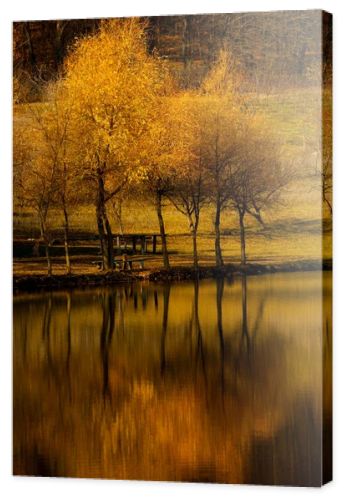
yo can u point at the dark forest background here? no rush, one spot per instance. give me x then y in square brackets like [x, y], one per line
[275, 50]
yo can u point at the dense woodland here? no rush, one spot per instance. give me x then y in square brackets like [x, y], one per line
[274, 49]
[160, 109]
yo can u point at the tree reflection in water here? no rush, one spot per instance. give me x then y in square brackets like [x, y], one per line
[106, 334]
[166, 299]
[202, 381]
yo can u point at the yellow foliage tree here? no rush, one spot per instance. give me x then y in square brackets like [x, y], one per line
[239, 151]
[113, 85]
[162, 152]
[35, 168]
[221, 107]
[190, 190]
[257, 174]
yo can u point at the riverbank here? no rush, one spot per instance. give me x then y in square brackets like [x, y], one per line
[180, 273]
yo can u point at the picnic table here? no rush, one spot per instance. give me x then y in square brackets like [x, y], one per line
[125, 263]
[144, 240]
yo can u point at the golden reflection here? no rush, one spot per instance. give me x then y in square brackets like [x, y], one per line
[204, 381]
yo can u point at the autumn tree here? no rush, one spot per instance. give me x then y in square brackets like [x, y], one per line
[221, 106]
[112, 85]
[157, 181]
[257, 174]
[35, 174]
[240, 153]
[54, 123]
[55, 126]
[190, 192]
[318, 149]
[162, 151]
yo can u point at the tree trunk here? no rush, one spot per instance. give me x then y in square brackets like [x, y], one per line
[162, 230]
[110, 255]
[104, 228]
[100, 225]
[32, 55]
[193, 224]
[66, 241]
[45, 238]
[327, 201]
[49, 262]
[195, 249]
[118, 212]
[218, 250]
[242, 237]
[58, 43]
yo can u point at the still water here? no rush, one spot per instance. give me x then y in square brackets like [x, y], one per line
[213, 381]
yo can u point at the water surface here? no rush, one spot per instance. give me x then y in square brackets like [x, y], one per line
[212, 381]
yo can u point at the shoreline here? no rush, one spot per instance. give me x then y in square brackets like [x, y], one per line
[175, 274]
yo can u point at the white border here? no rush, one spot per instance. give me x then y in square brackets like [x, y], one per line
[90, 489]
